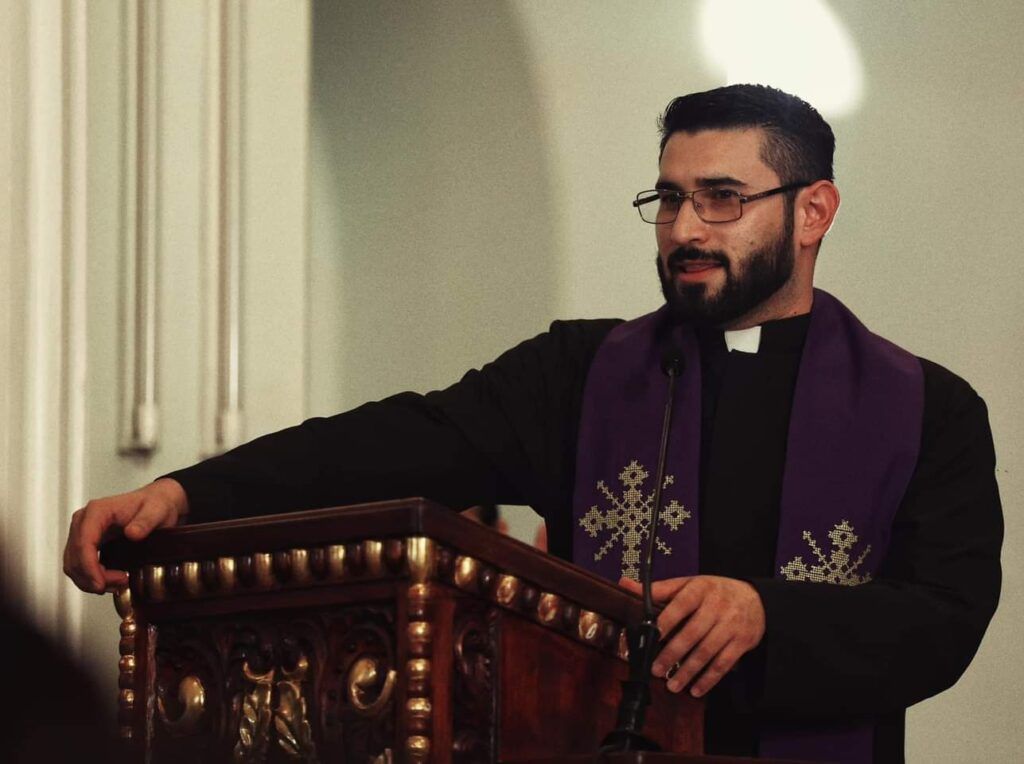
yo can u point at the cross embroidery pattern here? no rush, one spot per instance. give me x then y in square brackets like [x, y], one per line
[835, 569]
[628, 518]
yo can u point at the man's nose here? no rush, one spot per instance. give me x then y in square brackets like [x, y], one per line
[688, 227]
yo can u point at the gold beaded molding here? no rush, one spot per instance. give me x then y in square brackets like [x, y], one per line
[422, 561]
[546, 608]
[421, 558]
[126, 665]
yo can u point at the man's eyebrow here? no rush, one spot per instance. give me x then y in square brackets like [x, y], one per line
[719, 180]
[710, 182]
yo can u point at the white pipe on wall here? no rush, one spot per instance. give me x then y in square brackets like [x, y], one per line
[140, 410]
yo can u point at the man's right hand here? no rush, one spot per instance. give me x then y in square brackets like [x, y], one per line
[161, 504]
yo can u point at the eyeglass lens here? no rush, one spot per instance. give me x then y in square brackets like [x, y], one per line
[713, 205]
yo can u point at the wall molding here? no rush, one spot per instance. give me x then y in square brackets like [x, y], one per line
[221, 414]
[45, 323]
[140, 163]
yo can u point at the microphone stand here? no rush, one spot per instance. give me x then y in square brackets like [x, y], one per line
[643, 638]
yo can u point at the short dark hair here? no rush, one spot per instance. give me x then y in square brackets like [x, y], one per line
[798, 143]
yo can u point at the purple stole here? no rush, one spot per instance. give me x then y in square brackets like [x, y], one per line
[854, 436]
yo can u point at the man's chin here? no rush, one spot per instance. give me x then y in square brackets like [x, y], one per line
[692, 304]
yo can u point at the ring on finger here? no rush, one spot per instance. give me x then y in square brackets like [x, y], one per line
[673, 669]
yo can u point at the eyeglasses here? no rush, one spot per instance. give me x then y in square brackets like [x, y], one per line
[661, 206]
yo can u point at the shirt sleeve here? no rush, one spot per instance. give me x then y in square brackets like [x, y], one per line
[910, 633]
[502, 434]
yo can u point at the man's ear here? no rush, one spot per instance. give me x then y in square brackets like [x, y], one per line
[815, 210]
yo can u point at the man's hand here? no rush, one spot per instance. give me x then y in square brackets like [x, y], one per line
[718, 620]
[160, 504]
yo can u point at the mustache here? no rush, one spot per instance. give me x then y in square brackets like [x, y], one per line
[682, 254]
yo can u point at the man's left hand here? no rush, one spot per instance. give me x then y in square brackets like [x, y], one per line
[724, 619]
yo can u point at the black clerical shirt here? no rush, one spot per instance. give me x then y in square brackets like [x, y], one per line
[507, 434]
[745, 408]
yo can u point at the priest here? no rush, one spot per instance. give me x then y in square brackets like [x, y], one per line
[828, 549]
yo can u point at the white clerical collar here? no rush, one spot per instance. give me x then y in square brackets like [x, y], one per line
[743, 340]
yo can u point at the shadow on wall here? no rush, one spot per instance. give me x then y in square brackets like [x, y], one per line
[433, 207]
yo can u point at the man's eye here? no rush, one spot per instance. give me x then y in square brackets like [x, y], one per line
[722, 194]
[671, 198]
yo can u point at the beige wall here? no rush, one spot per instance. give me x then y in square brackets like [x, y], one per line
[510, 142]
[65, 153]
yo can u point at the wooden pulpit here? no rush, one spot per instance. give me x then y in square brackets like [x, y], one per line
[397, 631]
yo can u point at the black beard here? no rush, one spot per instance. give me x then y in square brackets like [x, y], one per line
[763, 274]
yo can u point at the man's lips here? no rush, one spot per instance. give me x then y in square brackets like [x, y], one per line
[694, 270]
[695, 266]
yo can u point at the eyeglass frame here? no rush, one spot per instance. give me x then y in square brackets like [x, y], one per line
[684, 195]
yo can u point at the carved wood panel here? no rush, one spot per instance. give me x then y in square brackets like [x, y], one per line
[279, 686]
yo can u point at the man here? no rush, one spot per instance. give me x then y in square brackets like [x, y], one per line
[829, 548]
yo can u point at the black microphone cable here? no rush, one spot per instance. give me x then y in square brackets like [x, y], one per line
[643, 638]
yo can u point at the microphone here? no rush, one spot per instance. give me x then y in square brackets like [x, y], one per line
[643, 638]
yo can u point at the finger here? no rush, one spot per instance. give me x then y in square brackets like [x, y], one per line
[722, 664]
[70, 566]
[149, 516]
[81, 564]
[95, 520]
[700, 656]
[114, 580]
[628, 583]
[683, 642]
[666, 589]
[687, 599]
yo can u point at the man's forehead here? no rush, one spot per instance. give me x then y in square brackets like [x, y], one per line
[714, 153]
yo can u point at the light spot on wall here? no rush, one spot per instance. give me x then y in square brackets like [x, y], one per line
[800, 46]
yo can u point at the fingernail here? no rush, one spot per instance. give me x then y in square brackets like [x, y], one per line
[696, 692]
[674, 686]
[658, 669]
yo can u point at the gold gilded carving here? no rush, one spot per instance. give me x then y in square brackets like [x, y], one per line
[417, 747]
[419, 638]
[373, 554]
[507, 590]
[420, 634]
[263, 569]
[294, 733]
[193, 700]
[623, 645]
[254, 727]
[336, 561]
[288, 720]
[386, 757]
[590, 625]
[126, 664]
[366, 692]
[548, 608]
[421, 555]
[466, 570]
[418, 668]
[419, 710]
[190, 578]
[300, 570]
[418, 671]
[153, 582]
[227, 573]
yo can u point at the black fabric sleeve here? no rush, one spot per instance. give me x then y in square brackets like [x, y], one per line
[909, 634]
[503, 434]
